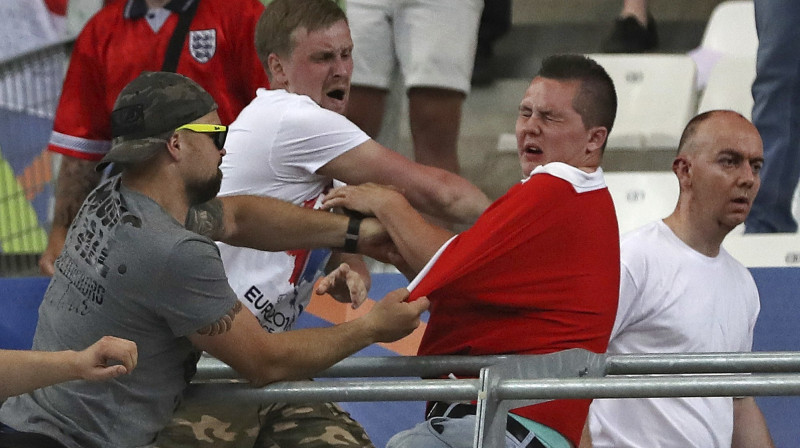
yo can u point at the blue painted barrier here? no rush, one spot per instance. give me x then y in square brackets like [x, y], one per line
[776, 330]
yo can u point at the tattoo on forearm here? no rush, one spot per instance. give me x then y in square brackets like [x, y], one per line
[76, 179]
[224, 324]
[206, 219]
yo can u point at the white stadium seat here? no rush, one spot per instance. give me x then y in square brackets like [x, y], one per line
[730, 32]
[641, 197]
[731, 29]
[729, 86]
[764, 250]
[656, 98]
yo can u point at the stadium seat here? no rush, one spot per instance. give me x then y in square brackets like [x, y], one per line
[641, 197]
[730, 32]
[764, 250]
[731, 29]
[656, 98]
[729, 86]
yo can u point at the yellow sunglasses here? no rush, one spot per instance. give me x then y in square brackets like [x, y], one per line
[217, 132]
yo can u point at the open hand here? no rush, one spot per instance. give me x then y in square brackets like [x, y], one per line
[345, 285]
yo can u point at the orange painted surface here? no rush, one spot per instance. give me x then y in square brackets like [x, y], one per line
[326, 307]
[36, 175]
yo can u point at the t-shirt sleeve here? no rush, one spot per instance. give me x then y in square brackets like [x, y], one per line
[310, 136]
[81, 127]
[755, 309]
[198, 289]
[635, 265]
[628, 300]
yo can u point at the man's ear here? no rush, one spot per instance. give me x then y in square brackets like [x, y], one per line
[174, 146]
[682, 166]
[597, 138]
[278, 78]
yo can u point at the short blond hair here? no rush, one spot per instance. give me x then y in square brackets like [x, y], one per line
[281, 18]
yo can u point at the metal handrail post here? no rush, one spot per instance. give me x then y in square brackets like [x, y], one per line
[492, 410]
[440, 366]
[659, 363]
[337, 390]
[760, 384]
[374, 366]
[508, 382]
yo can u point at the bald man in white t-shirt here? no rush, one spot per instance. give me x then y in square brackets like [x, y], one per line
[681, 292]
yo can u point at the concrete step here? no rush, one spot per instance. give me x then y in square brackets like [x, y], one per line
[586, 11]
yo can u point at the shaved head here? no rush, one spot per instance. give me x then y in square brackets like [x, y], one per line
[690, 138]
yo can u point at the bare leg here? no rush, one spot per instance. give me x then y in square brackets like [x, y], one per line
[435, 119]
[635, 8]
[366, 107]
[634, 30]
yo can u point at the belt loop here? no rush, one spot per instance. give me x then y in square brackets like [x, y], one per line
[441, 409]
[431, 410]
[450, 409]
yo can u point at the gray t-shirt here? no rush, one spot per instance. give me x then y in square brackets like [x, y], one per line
[130, 270]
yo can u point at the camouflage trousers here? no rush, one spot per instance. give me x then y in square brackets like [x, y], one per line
[275, 425]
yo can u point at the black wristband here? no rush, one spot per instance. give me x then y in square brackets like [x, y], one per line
[351, 238]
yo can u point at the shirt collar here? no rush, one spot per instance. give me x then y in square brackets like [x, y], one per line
[136, 9]
[581, 181]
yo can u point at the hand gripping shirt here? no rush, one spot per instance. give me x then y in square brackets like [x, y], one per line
[120, 42]
[537, 273]
[674, 299]
[130, 270]
[274, 148]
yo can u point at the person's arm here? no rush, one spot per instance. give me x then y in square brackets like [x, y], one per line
[76, 179]
[416, 239]
[82, 120]
[22, 371]
[586, 436]
[270, 224]
[432, 191]
[263, 357]
[749, 427]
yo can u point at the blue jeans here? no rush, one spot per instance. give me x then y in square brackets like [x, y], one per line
[11, 438]
[455, 433]
[776, 114]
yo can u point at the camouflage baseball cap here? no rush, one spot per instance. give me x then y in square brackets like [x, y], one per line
[149, 106]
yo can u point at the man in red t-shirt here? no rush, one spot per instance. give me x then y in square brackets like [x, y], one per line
[116, 45]
[539, 270]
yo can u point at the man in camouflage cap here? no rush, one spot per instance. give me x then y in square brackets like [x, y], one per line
[130, 269]
[170, 102]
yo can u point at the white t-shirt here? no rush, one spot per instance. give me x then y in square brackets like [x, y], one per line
[26, 25]
[675, 300]
[274, 148]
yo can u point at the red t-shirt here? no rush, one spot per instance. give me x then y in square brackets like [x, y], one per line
[537, 273]
[112, 50]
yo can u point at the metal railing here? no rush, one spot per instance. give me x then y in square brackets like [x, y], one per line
[31, 82]
[507, 382]
[30, 87]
